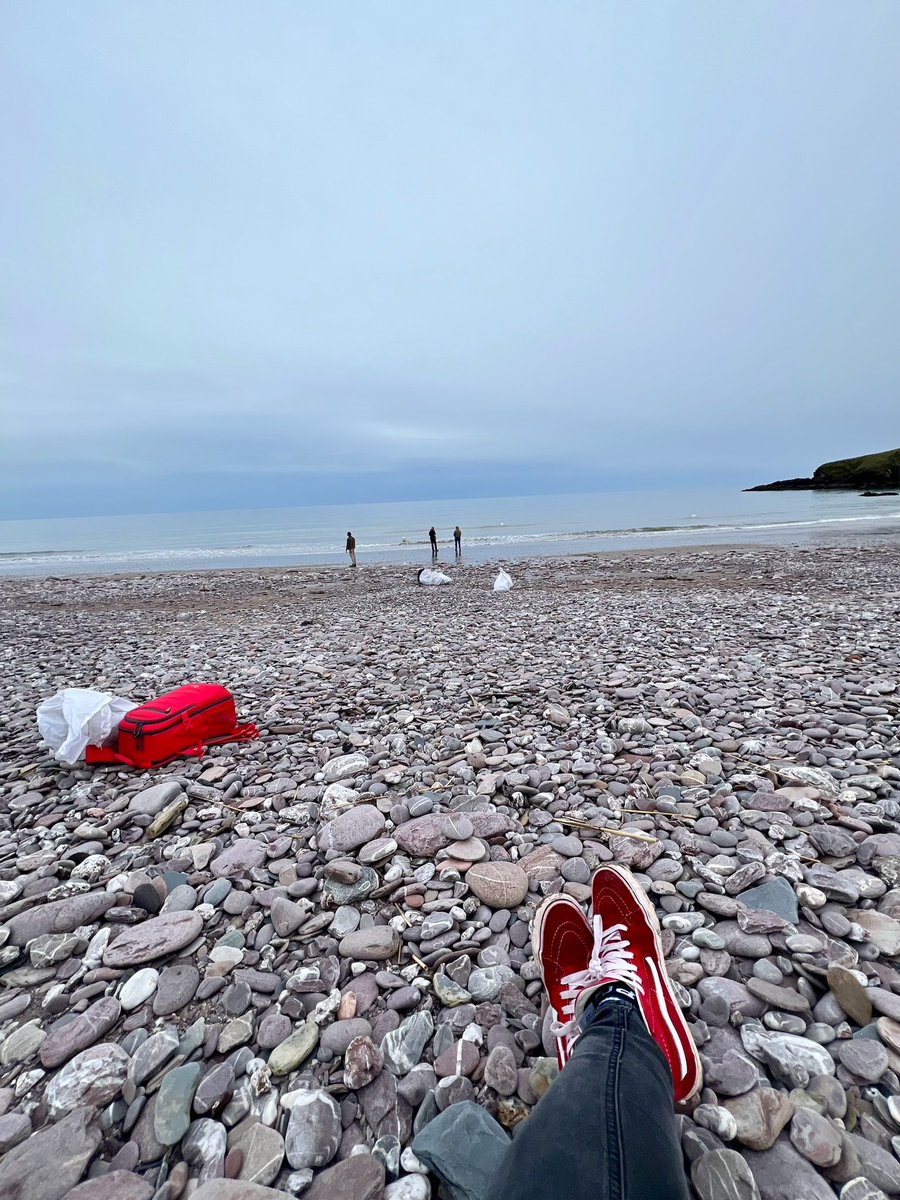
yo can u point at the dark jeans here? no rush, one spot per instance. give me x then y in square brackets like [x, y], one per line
[605, 1130]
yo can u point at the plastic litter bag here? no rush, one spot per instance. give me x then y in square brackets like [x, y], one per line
[503, 582]
[432, 578]
[77, 717]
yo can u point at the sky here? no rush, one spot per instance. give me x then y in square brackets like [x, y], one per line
[287, 253]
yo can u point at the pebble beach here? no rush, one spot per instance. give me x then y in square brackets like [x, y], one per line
[302, 965]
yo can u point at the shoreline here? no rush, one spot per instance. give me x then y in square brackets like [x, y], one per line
[876, 541]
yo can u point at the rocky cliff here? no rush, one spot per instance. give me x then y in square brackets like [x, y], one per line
[868, 471]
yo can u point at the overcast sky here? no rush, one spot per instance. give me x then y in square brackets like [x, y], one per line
[285, 252]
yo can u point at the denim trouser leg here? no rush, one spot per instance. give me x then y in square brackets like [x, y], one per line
[605, 1130]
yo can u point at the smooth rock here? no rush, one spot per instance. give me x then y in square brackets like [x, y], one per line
[153, 939]
[313, 1132]
[464, 1147]
[360, 1177]
[498, 884]
[94, 1077]
[377, 943]
[52, 1161]
[723, 1175]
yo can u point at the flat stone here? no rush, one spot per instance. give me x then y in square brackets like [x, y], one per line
[286, 916]
[153, 939]
[883, 931]
[377, 943]
[346, 766]
[94, 1077]
[464, 1147]
[176, 988]
[14, 1128]
[235, 1033]
[212, 1089]
[139, 988]
[236, 1189]
[500, 1071]
[402, 1048]
[64, 1041]
[116, 1185]
[864, 1058]
[723, 1175]
[542, 865]
[776, 895]
[363, 1062]
[59, 916]
[343, 894]
[498, 884]
[461, 1058]
[760, 1115]
[52, 1161]
[817, 1139]
[783, 1174]
[337, 1036]
[22, 1042]
[352, 829]
[239, 859]
[172, 1115]
[792, 1058]
[337, 799]
[294, 1050]
[263, 1151]
[784, 998]
[52, 948]
[423, 836]
[153, 1054]
[313, 1132]
[153, 800]
[850, 994]
[879, 1166]
[360, 1177]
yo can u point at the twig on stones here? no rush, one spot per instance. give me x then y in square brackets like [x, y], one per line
[638, 837]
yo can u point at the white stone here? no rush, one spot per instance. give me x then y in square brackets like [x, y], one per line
[408, 1187]
[139, 988]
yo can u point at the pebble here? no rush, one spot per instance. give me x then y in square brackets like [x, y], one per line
[498, 884]
[313, 1132]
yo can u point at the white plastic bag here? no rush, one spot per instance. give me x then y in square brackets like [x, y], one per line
[503, 582]
[77, 717]
[432, 578]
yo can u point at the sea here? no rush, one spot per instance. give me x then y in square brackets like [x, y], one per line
[496, 529]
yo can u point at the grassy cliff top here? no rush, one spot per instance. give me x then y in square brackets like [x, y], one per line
[869, 470]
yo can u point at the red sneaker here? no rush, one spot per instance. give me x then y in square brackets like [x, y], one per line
[627, 944]
[561, 942]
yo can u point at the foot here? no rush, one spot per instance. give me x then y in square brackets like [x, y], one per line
[626, 943]
[562, 942]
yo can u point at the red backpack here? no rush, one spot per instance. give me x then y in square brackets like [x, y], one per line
[180, 724]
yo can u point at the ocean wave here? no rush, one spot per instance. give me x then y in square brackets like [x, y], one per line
[328, 551]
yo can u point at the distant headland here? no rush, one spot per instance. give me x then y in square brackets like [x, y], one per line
[867, 472]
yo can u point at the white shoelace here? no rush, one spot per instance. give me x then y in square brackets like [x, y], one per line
[611, 961]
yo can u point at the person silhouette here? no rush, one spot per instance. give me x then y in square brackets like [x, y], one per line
[457, 541]
[432, 537]
[351, 548]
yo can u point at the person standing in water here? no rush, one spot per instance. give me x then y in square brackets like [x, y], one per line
[351, 548]
[432, 536]
[457, 541]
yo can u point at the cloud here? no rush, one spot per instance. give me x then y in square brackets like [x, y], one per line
[530, 247]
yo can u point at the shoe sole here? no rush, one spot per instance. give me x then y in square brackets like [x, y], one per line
[661, 978]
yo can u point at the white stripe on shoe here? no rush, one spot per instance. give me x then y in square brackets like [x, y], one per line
[682, 1059]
